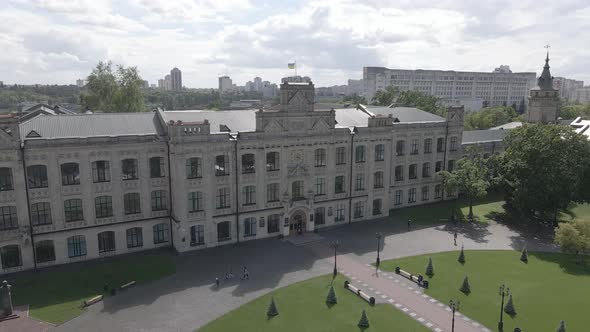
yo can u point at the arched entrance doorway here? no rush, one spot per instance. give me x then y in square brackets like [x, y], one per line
[297, 222]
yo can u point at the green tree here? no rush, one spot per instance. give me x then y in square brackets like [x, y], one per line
[509, 307]
[561, 327]
[524, 255]
[574, 237]
[386, 97]
[544, 168]
[490, 117]
[470, 177]
[391, 95]
[570, 112]
[461, 258]
[331, 298]
[429, 268]
[355, 99]
[272, 308]
[465, 286]
[364, 321]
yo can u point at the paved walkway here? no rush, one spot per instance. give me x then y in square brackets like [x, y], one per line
[24, 323]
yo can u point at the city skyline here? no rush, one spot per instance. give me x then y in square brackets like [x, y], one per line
[213, 39]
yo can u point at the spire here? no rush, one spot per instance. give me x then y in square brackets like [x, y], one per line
[545, 82]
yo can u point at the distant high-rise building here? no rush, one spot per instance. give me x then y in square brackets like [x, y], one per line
[176, 79]
[161, 84]
[567, 87]
[582, 95]
[79, 83]
[167, 83]
[504, 69]
[355, 87]
[1, 84]
[153, 86]
[146, 84]
[225, 84]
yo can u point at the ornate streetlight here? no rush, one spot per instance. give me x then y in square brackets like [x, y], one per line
[378, 236]
[454, 305]
[504, 291]
[335, 244]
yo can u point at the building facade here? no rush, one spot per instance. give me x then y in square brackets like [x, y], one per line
[78, 187]
[176, 79]
[225, 84]
[567, 88]
[583, 95]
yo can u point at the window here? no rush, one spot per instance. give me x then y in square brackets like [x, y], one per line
[398, 197]
[451, 165]
[222, 198]
[156, 167]
[161, 233]
[101, 171]
[319, 216]
[223, 231]
[438, 166]
[399, 173]
[76, 246]
[159, 200]
[400, 147]
[273, 223]
[378, 180]
[194, 168]
[453, 146]
[197, 235]
[37, 176]
[73, 210]
[134, 237]
[440, 144]
[379, 152]
[10, 256]
[6, 179]
[248, 163]
[320, 186]
[360, 182]
[358, 209]
[360, 154]
[426, 170]
[297, 190]
[414, 147]
[412, 195]
[272, 192]
[249, 226]
[340, 155]
[129, 169]
[131, 203]
[103, 206]
[428, 145]
[44, 251]
[195, 201]
[413, 171]
[272, 161]
[437, 191]
[339, 184]
[70, 174]
[320, 157]
[221, 165]
[249, 195]
[425, 193]
[40, 213]
[106, 241]
[377, 206]
[339, 213]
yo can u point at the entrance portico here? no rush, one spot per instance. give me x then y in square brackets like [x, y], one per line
[299, 222]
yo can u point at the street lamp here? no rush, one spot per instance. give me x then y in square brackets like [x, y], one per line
[504, 291]
[378, 236]
[335, 244]
[454, 305]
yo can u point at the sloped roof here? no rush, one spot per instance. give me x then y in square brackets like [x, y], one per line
[509, 125]
[236, 120]
[405, 114]
[351, 117]
[481, 136]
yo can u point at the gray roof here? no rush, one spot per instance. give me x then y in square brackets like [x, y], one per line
[236, 120]
[351, 117]
[405, 114]
[481, 136]
[91, 125]
[509, 125]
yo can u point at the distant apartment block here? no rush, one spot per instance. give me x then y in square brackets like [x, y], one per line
[175, 79]
[80, 83]
[582, 95]
[567, 87]
[225, 84]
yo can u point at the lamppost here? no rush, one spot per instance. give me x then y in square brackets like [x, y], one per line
[378, 236]
[504, 291]
[335, 244]
[454, 305]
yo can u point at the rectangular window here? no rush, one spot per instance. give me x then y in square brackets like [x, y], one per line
[70, 174]
[320, 186]
[194, 168]
[377, 207]
[438, 166]
[426, 170]
[413, 171]
[453, 146]
[320, 157]
[129, 169]
[425, 193]
[440, 144]
[399, 173]
[101, 171]
[428, 145]
[339, 184]
[360, 182]
[221, 165]
[398, 197]
[250, 226]
[274, 221]
[319, 216]
[359, 208]
[106, 241]
[223, 231]
[414, 146]
[40, 214]
[412, 195]
[134, 237]
[8, 218]
[378, 180]
[451, 165]
[340, 155]
[37, 176]
[103, 206]
[400, 147]
[76, 246]
[197, 235]
[360, 154]
[272, 161]
[437, 191]
[379, 152]
[131, 203]
[249, 195]
[161, 233]
[195, 201]
[159, 200]
[339, 213]
[156, 167]
[248, 163]
[6, 179]
[73, 210]
[222, 198]
[272, 192]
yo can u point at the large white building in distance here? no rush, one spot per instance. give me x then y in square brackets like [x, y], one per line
[84, 186]
[471, 89]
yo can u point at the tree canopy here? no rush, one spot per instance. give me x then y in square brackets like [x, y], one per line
[571, 112]
[574, 237]
[421, 100]
[489, 117]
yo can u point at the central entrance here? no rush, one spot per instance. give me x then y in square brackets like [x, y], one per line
[297, 223]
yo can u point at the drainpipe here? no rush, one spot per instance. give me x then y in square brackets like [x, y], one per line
[170, 213]
[24, 163]
[237, 191]
[444, 166]
[352, 133]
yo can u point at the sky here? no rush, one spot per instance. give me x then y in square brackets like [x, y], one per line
[59, 41]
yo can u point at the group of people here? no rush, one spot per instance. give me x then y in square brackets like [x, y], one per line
[229, 275]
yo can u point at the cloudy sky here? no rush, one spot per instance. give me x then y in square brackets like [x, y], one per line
[58, 41]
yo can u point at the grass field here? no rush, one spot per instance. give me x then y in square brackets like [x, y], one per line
[302, 308]
[56, 296]
[550, 288]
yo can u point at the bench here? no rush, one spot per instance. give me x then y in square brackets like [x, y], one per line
[93, 300]
[129, 284]
[419, 280]
[359, 293]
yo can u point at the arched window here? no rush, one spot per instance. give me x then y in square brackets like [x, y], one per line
[106, 241]
[40, 213]
[221, 165]
[320, 157]
[377, 206]
[134, 237]
[223, 231]
[379, 152]
[76, 246]
[6, 179]
[378, 180]
[101, 171]
[73, 210]
[37, 176]
[273, 223]
[194, 168]
[131, 203]
[197, 235]
[129, 169]
[103, 206]
[297, 190]
[159, 200]
[44, 251]
[8, 218]
[359, 154]
[248, 163]
[272, 161]
[10, 256]
[156, 167]
[161, 233]
[195, 201]
[70, 174]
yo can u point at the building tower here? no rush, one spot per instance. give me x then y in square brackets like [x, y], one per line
[543, 99]
[176, 79]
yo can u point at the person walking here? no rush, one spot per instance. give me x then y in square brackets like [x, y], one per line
[245, 273]
[409, 225]
[455, 237]
[217, 282]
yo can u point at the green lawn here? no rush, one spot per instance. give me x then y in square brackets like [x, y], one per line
[302, 307]
[551, 287]
[56, 296]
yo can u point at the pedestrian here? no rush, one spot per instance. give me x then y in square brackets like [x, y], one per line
[409, 224]
[217, 282]
[229, 274]
[245, 273]
[455, 237]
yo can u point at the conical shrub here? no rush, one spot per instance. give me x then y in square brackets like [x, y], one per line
[524, 256]
[561, 327]
[509, 307]
[364, 322]
[429, 268]
[331, 298]
[272, 308]
[461, 258]
[465, 287]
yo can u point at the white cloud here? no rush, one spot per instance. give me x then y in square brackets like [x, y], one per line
[191, 10]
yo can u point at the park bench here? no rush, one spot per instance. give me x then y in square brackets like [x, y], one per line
[359, 293]
[93, 300]
[129, 284]
[419, 280]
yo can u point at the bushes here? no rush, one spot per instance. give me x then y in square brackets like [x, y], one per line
[461, 258]
[509, 307]
[331, 298]
[429, 268]
[524, 256]
[465, 287]
[272, 308]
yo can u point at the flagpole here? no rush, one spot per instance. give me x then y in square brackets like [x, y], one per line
[295, 67]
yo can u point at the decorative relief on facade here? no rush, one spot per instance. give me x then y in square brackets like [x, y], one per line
[130, 184]
[7, 196]
[71, 190]
[38, 193]
[129, 217]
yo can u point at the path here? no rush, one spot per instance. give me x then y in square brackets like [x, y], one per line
[23, 323]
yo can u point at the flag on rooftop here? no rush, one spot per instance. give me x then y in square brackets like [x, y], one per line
[291, 65]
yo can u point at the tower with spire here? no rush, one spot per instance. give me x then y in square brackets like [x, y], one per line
[543, 99]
